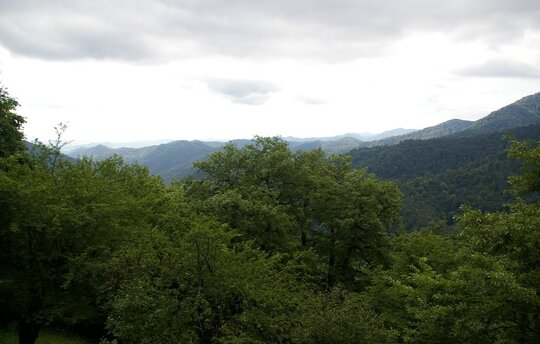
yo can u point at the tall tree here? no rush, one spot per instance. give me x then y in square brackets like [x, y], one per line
[287, 201]
[11, 135]
[66, 220]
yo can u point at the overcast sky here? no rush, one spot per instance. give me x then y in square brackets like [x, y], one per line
[131, 70]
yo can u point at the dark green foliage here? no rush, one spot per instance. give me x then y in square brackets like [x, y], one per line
[524, 112]
[529, 180]
[285, 201]
[196, 285]
[62, 222]
[437, 176]
[11, 135]
[478, 285]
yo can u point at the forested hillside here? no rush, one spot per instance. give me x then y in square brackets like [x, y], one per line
[267, 246]
[438, 176]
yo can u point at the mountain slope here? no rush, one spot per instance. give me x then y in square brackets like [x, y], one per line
[437, 176]
[440, 130]
[170, 160]
[525, 111]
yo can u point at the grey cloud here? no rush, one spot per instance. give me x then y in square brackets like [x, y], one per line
[311, 100]
[314, 29]
[247, 92]
[501, 69]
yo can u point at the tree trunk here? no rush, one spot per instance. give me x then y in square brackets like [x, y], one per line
[28, 331]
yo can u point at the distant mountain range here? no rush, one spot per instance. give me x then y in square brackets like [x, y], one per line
[174, 159]
[470, 166]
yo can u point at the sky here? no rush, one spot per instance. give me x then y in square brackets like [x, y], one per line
[143, 70]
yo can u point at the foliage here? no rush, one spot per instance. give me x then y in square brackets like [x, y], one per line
[11, 135]
[286, 201]
[196, 285]
[271, 245]
[437, 176]
[62, 223]
[338, 316]
[479, 285]
[529, 180]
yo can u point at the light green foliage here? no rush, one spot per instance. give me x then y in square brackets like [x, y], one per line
[439, 290]
[338, 316]
[196, 285]
[529, 180]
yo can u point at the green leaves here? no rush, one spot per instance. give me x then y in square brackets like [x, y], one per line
[11, 136]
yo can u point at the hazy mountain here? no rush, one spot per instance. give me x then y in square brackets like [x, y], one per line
[440, 130]
[390, 133]
[175, 159]
[133, 144]
[364, 137]
[170, 160]
[525, 111]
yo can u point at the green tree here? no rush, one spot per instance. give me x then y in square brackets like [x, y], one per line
[287, 201]
[352, 217]
[195, 284]
[478, 285]
[529, 180]
[11, 135]
[338, 316]
[250, 189]
[65, 220]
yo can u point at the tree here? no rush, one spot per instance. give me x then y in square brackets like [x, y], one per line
[65, 221]
[287, 201]
[478, 285]
[195, 283]
[529, 180]
[352, 217]
[251, 189]
[11, 135]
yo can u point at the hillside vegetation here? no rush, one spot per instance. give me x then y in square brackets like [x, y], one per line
[267, 245]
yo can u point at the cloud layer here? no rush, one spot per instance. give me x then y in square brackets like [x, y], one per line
[501, 69]
[149, 30]
[247, 92]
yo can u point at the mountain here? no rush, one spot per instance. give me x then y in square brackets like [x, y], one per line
[525, 111]
[437, 176]
[70, 147]
[389, 133]
[174, 159]
[338, 146]
[169, 160]
[364, 137]
[440, 130]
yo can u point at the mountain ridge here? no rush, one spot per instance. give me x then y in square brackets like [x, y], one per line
[174, 159]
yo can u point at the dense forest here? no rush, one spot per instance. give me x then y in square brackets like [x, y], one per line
[266, 246]
[438, 176]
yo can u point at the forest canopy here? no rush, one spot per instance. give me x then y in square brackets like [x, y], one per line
[266, 245]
